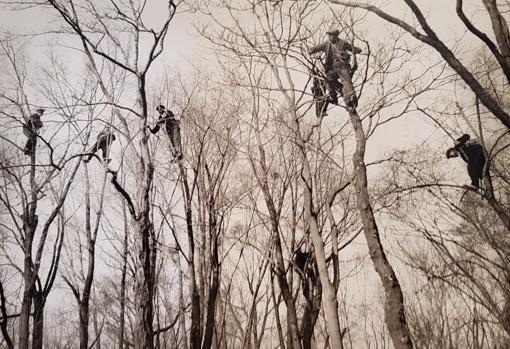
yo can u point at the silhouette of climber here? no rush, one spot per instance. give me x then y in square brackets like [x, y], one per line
[471, 152]
[172, 129]
[104, 141]
[31, 130]
[305, 263]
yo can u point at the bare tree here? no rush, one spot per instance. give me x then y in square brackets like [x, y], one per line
[429, 37]
[40, 182]
[83, 294]
[98, 32]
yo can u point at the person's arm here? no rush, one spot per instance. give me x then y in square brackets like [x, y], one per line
[461, 141]
[160, 121]
[463, 152]
[155, 129]
[351, 48]
[318, 48]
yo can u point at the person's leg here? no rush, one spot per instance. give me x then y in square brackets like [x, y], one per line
[475, 174]
[347, 87]
[332, 86]
[105, 147]
[176, 141]
[30, 146]
[475, 168]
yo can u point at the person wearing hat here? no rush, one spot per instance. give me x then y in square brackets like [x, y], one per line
[31, 130]
[173, 129]
[471, 152]
[336, 61]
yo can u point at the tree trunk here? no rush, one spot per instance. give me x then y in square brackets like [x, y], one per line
[500, 210]
[97, 330]
[84, 302]
[505, 315]
[211, 308]
[195, 333]
[292, 320]
[328, 289]
[29, 284]
[26, 307]
[215, 270]
[394, 305]
[278, 262]
[5, 319]
[144, 286]
[38, 324]
[500, 28]
[123, 280]
[84, 324]
[276, 305]
[313, 295]
[182, 306]
[143, 336]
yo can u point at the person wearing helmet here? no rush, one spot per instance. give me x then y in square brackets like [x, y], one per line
[31, 130]
[471, 152]
[104, 141]
[337, 59]
[173, 129]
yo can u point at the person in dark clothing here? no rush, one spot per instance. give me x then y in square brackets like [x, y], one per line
[172, 129]
[305, 264]
[104, 141]
[300, 259]
[31, 130]
[471, 152]
[336, 63]
[319, 94]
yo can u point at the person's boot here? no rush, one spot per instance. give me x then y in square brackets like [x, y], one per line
[333, 99]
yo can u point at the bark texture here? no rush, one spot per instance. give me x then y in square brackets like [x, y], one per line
[394, 304]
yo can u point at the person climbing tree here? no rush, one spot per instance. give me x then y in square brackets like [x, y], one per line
[104, 141]
[31, 130]
[336, 64]
[471, 152]
[305, 264]
[172, 129]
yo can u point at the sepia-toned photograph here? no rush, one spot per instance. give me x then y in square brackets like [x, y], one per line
[255, 174]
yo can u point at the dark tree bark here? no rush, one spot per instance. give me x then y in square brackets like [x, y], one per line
[38, 325]
[5, 319]
[123, 280]
[195, 332]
